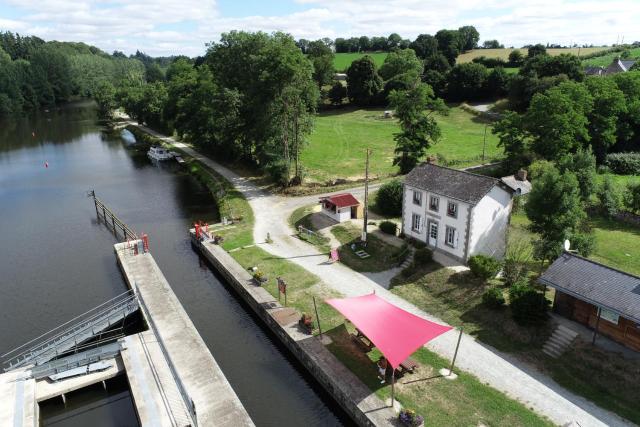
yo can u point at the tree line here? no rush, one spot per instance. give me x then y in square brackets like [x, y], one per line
[36, 74]
[250, 98]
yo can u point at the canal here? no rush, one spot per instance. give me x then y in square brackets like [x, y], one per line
[56, 260]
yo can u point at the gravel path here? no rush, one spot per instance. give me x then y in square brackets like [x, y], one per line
[502, 371]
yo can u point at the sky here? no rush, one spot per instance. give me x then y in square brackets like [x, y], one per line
[171, 27]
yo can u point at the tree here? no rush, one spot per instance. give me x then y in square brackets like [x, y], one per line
[425, 45]
[393, 41]
[467, 81]
[337, 93]
[610, 197]
[516, 58]
[513, 139]
[492, 44]
[544, 65]
[437, 62]
[583, 165]
[321, 56]
[555, 210]
[535, 50]
[399, 62]
[363, 82]
[609, 104]
[557, 120]
[105, 97]
[449, 44]
[419, 130]
[389, 198]
[364, 44]
[153, 73]
[497, 83]
[469, 37]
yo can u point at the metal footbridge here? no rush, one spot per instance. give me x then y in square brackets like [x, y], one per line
[79, 339]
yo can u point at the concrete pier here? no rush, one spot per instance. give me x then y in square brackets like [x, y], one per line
[356, 399]
[187, 359]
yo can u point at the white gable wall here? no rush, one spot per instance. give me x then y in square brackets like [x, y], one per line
[489, 224]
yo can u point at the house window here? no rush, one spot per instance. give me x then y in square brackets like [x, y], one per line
[451, 237]
[452, 209]
[417, 198]
[434, 203]
[609, 316]
[415, 222]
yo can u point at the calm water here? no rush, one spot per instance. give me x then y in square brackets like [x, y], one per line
[56, 261]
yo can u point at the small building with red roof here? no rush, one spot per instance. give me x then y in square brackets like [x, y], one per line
[340, 207]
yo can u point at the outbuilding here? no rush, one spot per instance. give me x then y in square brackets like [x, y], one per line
[340, 207]
[602, 298]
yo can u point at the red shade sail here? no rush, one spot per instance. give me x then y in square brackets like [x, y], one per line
[396, 332]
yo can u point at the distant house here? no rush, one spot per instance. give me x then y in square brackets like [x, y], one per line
[619, 66]
[456, 212]
[518, 183]
[594, 71]
[600, 297]
[340, 207]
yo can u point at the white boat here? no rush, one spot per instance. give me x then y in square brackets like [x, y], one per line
[159, 153]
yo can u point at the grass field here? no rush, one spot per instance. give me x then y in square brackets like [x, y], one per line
[504, 53]
[342, 61]
[343, 135]
[617, 243]
[603, 61]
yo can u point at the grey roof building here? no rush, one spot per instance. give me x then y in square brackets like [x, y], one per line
[619, 66]
[457, 184]
[595, 283]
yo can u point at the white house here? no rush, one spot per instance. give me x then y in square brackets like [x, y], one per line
[340, 207]
[456, 212]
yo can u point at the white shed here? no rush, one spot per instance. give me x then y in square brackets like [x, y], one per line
[340, 207]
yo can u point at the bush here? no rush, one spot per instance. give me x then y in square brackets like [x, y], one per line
[528, 306]
[278, 172]
[513, 271]
[484, 266]
[389, 198]
[422, 256]
[388, 227]
[632, 197]
[610, 197]
[623, 163]
[493, 297]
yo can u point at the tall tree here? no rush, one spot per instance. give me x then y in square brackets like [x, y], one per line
[399, 62]
[449, 44]
[425, 45]
[557, 120]
[321, 56]
[467, 81]
[555, 210]
[363, 82]
[609, 104]
[469, 37]
[419, 130]
[582, 164]
[513, 139]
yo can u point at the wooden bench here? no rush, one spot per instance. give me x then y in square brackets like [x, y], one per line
[362, 341]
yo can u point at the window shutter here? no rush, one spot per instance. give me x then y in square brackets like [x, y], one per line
[455, 239]
[421, 224]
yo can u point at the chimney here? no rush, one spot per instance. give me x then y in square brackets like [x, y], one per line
[521, 175]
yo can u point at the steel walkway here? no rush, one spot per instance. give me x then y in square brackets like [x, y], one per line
[68, 336]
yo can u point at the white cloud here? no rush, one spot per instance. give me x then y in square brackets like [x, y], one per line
[161, 27]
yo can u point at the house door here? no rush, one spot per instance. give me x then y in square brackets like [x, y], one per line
[433, 233]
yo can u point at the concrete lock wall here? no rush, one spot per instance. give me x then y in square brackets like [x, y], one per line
[354, 397]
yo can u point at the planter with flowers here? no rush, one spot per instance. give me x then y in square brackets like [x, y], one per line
[259, 277]
[408, 417]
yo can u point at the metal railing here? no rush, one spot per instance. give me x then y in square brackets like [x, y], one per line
[188, 402]
[109, 217]
[65, 337]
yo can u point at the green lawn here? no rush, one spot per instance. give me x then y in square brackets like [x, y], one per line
[302, 217]
[343, 135]
[342, 61]
[383, 256]
[603, 61]
[617, 243]
[504, 53]
[462, 402]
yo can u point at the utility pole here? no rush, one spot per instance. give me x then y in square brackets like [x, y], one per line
[366, 199]
[484, 144]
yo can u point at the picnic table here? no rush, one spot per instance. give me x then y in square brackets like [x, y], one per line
[409, 365]
[362, 341]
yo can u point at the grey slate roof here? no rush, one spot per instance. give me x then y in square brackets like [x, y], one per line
[456, 184]
[520, 187]
[627, 64]
[595, 283]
